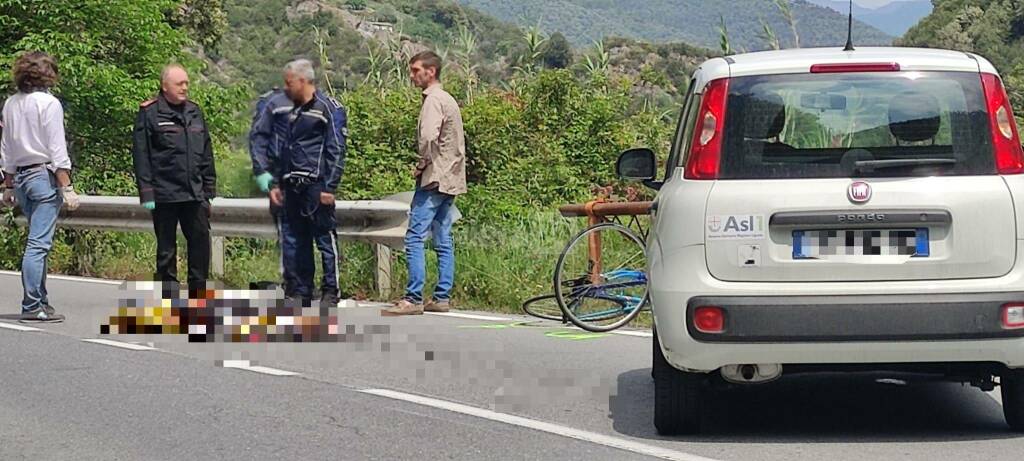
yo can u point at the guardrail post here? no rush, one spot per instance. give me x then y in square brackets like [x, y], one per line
[383, 273]
[217, 256]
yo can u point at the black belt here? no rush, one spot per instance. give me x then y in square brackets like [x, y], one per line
[299, 179]
[31, 167]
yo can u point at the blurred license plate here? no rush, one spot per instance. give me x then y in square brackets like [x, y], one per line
[820, 244]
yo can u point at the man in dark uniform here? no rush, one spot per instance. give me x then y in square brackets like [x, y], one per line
[311, 162]
[174, 170]
[268, 132]
[266, 135]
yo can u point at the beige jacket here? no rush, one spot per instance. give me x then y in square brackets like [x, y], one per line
[441, 143]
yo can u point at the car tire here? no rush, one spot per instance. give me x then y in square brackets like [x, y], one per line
[657, 362]
[1012, 383]
[677, 396]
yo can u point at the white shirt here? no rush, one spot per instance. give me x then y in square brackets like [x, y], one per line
[33, 132]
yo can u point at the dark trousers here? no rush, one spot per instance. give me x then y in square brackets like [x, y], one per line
[195, 225]
[305, 222]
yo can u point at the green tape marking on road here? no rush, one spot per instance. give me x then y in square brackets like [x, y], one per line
[574, 335]
[496, 326]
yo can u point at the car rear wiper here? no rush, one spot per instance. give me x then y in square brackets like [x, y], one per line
[897, 163]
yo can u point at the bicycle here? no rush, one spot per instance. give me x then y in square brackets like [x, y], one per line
[586, 294]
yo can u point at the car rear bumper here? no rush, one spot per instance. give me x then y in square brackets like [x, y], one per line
[928, 322]
[923, 317]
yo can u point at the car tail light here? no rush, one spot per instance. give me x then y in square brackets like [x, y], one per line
[855, 67]
[709, 319]
[706, 146]
[1005, 138]
[1013, 316]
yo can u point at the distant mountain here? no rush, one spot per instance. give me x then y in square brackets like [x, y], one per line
[894, 19]
[692, 21]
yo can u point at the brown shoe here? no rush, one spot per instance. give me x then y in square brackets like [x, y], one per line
[437, 306]
[402, 307]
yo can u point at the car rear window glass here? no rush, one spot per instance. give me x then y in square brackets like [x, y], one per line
[885, 124]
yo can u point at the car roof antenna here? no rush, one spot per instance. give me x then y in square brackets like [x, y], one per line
[849, 30]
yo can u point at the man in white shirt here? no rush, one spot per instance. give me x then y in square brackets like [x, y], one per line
[37, 172]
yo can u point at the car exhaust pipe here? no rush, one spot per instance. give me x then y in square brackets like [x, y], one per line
[752, 373]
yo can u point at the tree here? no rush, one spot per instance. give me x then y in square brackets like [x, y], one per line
[535, 42]
[723, 37]
[597, 66]
[557, 52]
[204, 20]
[356, 5]
[768, 35]
[787, 12]
[109, 53]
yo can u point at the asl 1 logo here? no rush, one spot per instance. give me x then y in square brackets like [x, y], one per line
[736, 227]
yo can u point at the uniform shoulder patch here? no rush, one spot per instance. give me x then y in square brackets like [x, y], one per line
[147, 102]
[334, 103]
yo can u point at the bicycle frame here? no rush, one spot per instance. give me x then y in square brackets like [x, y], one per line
[621, 278]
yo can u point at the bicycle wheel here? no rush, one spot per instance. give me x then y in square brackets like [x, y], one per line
[545, 307]
[600, 281]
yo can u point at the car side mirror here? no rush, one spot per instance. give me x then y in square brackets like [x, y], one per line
[638, 165]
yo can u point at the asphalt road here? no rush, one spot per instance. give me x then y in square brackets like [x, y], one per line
[473, 386]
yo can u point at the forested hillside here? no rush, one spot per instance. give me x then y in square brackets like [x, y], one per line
[893, 19]
[692, 21]
[264, 34]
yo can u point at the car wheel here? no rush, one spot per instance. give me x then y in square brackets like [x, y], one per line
[677, 396]
[1012, 383]
[657, 362]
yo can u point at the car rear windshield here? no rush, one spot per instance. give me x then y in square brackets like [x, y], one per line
[886, 124]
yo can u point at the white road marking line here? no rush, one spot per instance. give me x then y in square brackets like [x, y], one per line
[15, 327]
[996, 395]
[637, 333]
[271, 371]
[244, 365]
[129, 346]
[471, 316]
[69, 278]
[592, 437]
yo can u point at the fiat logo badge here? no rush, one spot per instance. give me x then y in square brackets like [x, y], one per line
[859, 192]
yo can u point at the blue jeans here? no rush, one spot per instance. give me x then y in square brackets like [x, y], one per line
[431, 210]
[36, 192]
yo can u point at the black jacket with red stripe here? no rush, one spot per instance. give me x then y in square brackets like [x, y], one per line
[173, 153]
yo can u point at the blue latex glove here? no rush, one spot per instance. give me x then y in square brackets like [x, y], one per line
[149, 205]
[264, 181]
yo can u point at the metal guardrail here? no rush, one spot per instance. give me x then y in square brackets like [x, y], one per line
[379, 222]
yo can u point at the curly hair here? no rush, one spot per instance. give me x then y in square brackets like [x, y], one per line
[35, 70]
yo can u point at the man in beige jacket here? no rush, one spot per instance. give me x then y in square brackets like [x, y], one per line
[440, 176]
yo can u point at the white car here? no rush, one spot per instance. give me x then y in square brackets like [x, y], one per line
[830, 210]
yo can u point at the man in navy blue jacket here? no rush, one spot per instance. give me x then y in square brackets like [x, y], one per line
[269, 131]
[304, 179]
[266, 136]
